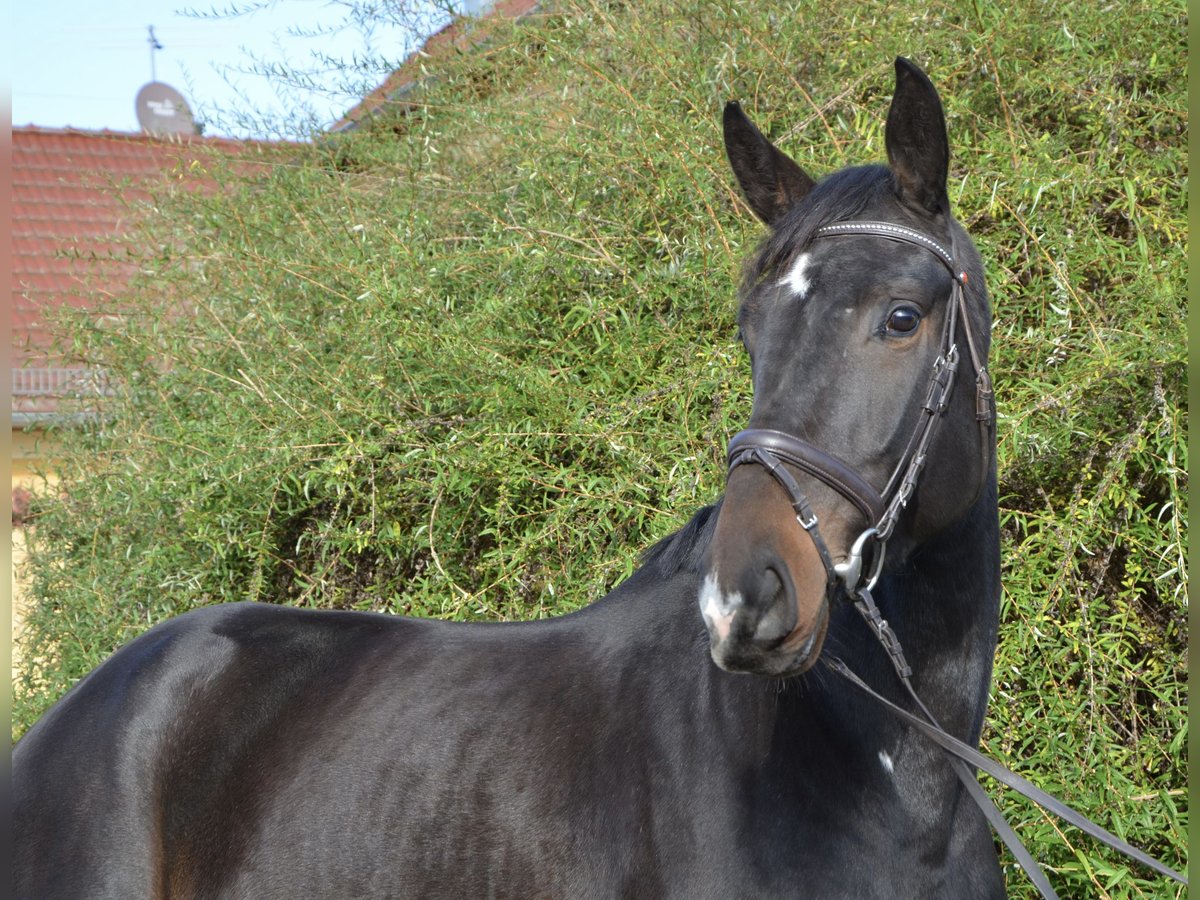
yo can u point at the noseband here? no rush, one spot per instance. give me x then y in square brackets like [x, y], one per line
[879, 509]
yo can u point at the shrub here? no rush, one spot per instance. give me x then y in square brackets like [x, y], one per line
[470, 360]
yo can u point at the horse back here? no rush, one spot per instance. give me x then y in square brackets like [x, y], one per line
[256, 750]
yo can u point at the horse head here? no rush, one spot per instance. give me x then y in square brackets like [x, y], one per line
[856, 311]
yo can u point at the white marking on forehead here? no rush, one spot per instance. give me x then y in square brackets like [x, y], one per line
[886, 762]
[797, 277]
[717, 607]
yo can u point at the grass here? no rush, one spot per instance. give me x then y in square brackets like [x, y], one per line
[469, 362]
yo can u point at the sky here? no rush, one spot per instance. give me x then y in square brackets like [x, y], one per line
[80, 64]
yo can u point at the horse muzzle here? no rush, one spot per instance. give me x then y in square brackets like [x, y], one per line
[765, 595]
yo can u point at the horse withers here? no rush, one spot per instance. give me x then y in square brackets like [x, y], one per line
[640, 747]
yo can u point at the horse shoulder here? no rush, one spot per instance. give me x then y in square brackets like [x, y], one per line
[107, 782]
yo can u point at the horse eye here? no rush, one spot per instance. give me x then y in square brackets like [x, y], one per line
[903, 320]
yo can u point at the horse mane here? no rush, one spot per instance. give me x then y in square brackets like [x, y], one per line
[683, 550]
[840, 195]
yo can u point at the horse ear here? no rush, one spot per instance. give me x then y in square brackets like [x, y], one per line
[917, 148]
[771, 181]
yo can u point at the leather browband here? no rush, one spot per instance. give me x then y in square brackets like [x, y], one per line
[895, 233]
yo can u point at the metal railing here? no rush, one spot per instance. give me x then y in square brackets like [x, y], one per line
[58, 382]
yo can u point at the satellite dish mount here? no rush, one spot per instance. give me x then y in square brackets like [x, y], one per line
[154, 45]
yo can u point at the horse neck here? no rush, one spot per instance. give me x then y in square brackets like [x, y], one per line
[942, 600]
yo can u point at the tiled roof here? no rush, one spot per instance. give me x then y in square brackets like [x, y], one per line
[463, 32]
[75, 196]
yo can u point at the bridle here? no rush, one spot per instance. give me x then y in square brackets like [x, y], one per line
[776, 450]
[880, 509]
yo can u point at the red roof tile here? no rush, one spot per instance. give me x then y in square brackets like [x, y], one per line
[75, 196]
[464, 32]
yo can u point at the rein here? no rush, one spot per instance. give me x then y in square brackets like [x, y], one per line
[963, 756]
[881, 510]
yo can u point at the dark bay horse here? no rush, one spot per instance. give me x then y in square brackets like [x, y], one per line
[640, 747]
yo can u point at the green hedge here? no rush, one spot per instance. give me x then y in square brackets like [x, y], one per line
[469, 361]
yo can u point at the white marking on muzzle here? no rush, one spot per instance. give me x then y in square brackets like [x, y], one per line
[717, 607]
[797, 278]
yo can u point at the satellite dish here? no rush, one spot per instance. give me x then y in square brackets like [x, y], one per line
[162, 111]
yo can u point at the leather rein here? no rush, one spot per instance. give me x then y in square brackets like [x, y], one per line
[776, 450]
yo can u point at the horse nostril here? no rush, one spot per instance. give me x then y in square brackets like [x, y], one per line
[778, 614]
[770, 586]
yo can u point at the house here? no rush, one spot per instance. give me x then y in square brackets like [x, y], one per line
[76, 197]
[469, 30]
